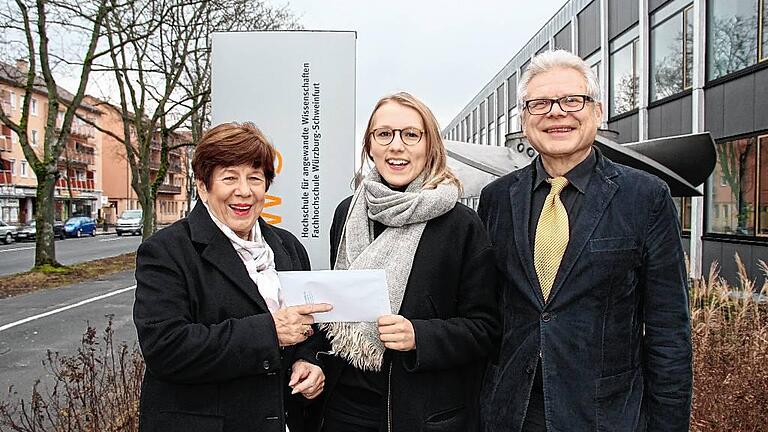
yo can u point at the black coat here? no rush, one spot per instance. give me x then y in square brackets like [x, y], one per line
[451, 300]
[614, 337]
[208, 340]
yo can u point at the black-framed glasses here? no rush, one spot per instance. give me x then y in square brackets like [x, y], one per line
[571, 103]
[409, 136]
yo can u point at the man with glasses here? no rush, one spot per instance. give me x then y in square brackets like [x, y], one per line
[596, 322]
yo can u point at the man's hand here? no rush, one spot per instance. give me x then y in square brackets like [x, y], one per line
[397, 332]
[307, 379]
[294, 324]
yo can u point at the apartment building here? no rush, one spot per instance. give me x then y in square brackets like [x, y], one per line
[78, 190]
[117, 190]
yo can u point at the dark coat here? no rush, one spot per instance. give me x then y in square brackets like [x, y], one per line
[614, 337]
[208, 339]
[450, 299]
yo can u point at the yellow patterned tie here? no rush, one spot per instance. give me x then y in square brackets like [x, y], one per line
[551, 236]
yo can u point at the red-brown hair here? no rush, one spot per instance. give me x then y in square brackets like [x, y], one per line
[233, 144]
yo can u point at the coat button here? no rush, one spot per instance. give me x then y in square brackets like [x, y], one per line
[266, 364]
[546, 316]
[529, 370]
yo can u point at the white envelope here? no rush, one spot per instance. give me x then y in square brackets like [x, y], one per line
[356, 295]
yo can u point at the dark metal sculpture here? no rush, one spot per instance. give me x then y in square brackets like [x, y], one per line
[684, 162]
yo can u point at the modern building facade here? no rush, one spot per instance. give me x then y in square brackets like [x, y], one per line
[666, 68]
[77, 190]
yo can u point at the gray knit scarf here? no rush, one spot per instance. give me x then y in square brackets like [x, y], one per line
[405, 214]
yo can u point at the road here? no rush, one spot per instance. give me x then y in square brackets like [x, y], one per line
[23, 345]
[20, 257]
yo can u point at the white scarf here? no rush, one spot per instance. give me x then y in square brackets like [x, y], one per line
[259, 261]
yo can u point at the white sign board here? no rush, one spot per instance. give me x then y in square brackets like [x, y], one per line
[298, 87]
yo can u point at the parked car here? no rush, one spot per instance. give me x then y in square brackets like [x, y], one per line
[7, 232]
[28, 231]
[129, 222]
[79, 225]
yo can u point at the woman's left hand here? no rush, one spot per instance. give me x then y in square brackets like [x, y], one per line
[307, 379]
[397, 332]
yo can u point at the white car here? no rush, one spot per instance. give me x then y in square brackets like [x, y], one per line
[7, 232]
[129, 222]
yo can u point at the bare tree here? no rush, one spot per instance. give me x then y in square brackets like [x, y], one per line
[224, 15]
[33, 23]
[161, 64]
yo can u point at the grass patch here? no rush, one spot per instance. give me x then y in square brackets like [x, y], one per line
[45, 277]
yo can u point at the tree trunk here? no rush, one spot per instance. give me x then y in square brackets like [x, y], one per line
[148, 221]
[45, 248]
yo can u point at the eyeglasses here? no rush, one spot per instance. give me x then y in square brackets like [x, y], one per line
[570, 103]
[384, 136]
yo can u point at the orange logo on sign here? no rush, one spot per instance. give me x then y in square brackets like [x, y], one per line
[273, 200]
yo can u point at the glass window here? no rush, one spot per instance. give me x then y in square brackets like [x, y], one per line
[474, 122]
[624, 80]
[13, 100]
[482, 136]
[731, 36]
[683, 206]
[688, 64]
[492, 134]
[670, 54]
[514, 122]
[735, 192]
[762, 217]
[482, 114]
[34, 137]
[512, 92]
[764, 30]
[491, 107]
[33, 106]
[502, 130]
[500, 101]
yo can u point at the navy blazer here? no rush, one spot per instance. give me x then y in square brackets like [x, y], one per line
[209, 342]
[614, 338]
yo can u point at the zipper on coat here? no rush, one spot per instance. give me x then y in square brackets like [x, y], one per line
[389, 399]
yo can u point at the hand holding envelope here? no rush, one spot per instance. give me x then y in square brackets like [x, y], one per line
[356, 295]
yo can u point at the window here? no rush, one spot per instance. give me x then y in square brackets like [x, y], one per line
[34, 137]
[492, 133]
[501, 131]
[474, 125]
[732, 35]
[671, 50]
[12, 166]
[23, 169]
[764, 30]
[33, 106]
[514, 121]
[511, 92]
[13, 100]
[624, 79]
[762, 186]
[744, 196]
[683, 206]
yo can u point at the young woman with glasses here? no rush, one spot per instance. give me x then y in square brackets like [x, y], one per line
[419, 368]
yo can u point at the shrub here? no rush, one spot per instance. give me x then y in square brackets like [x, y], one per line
[95, 390]
[730, 339]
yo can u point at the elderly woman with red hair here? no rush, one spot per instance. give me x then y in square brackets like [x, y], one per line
[221, 348]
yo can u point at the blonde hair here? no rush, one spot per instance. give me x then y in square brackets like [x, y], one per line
[436, 167]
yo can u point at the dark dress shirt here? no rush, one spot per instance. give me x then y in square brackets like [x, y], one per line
[572, 198]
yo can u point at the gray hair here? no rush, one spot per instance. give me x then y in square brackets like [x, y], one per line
[549, 60]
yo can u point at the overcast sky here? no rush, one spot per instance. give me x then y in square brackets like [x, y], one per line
[458, 45]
